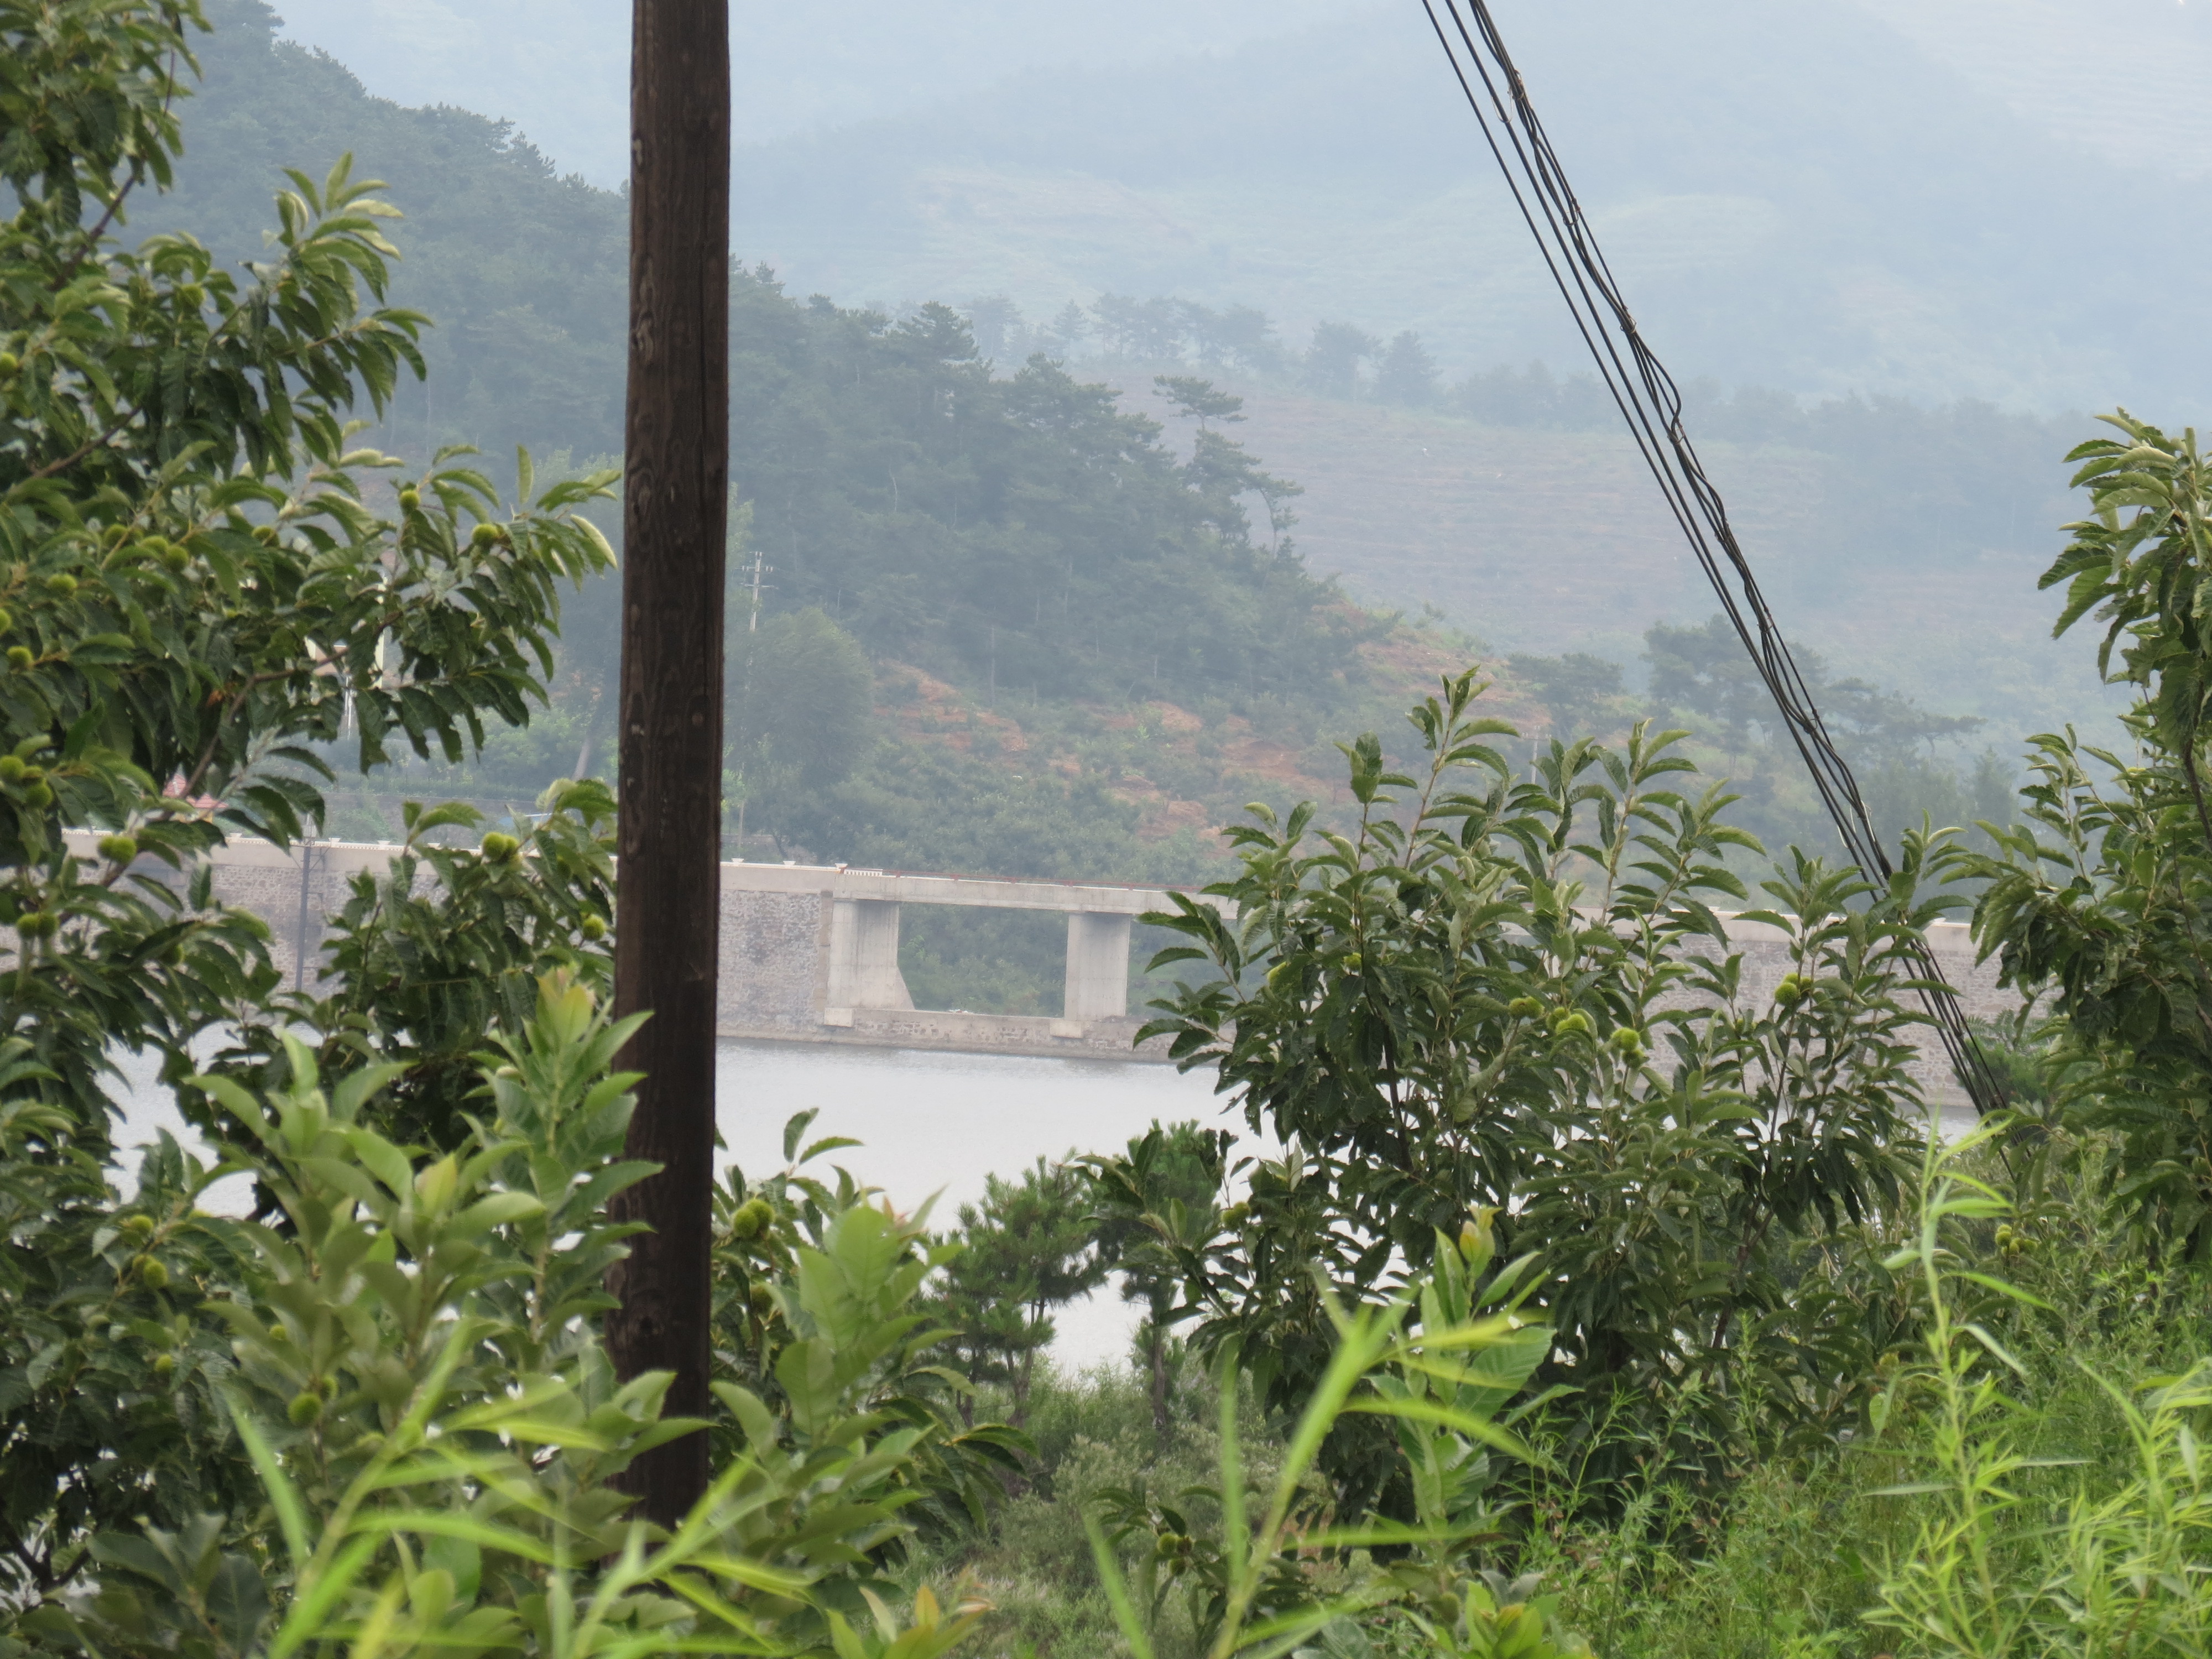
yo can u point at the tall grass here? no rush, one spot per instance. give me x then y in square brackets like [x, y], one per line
[2028, 1483]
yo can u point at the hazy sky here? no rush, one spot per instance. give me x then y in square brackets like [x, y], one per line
[2127, 79]
[559, 69]
[2123, 77]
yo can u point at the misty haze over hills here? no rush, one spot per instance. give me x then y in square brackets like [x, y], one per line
[2126, 80]
[1799, 198]
[1815, 194]
[558, 69]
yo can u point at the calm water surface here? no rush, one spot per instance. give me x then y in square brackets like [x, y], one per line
[934, 1125]
[930, 1125]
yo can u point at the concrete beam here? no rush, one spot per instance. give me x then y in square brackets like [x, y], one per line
[1097, 967]
[840, 882]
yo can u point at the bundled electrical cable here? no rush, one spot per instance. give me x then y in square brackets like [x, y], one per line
[1652, 407]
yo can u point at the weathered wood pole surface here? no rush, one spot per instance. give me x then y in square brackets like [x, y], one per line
[675, 503]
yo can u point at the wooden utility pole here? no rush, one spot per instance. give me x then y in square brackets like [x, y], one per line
[675, 508]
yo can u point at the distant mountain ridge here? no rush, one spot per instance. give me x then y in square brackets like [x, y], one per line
[1795, 194]
[1877, 533]
[1919, 197]
[559, 69]
[2122, 78]
[2125, 79]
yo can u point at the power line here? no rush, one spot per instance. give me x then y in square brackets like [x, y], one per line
[1651, 404]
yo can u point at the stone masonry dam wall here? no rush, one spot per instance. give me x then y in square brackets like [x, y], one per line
[810, 953]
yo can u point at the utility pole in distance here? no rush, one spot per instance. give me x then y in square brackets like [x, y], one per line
[675, 510]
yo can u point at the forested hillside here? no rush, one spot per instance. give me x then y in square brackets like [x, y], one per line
[1028, 566]
[1013, 620]
[1902, 542]
[999, 546]
[524, 271]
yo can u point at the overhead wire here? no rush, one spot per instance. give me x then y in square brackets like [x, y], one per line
[1651, 406]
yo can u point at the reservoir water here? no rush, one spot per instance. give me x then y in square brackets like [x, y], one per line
[934, 1125]
[931, 1125]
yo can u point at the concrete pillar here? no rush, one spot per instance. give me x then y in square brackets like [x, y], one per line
[1097, 967]
[864, 965]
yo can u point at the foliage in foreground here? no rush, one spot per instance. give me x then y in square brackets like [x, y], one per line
[444, 945]
[1514, 998]
[2073, 1477]
[883, 1335]
[204, 605]
[1986, 1570]
[2099, 901]
[375, 1417]
[1436, 1370]
[413, 1374]
[198, 602]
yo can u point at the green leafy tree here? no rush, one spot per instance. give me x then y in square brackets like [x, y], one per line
[1236, 337]
[1199, 400]
[997, 322]
[1333, 360]
[1155, 1202]
[1877, 728]
[1702, 676]
[446, 944]
[1990, 1566]
[800, 691]
[413, 1375]
[1407, 373]
[890, 1345]
[2139, 563]
[1221, 473]
[107, 1405]
[1147, 331]
[2099, 900]
[1514, 1000]
[1703, 672]
[1070, 327]
[1027, 528]
[376, 1416]
[204, 613]
[1432, 1365]
[1574, 688]
[200, 602]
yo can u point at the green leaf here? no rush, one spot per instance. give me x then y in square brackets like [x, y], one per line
[1110, 1579]
[283, 1497]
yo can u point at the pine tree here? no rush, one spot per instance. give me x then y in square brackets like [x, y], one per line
[1408, 374]
[1029, 1248]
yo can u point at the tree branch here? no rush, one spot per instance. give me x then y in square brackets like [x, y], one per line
[2196, 788]
[72, 459]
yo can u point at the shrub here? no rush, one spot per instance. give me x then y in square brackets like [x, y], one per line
[413, 1373]
[1512, 999]
[1993, 1567]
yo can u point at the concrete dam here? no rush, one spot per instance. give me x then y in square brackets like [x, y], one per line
[810, 953]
